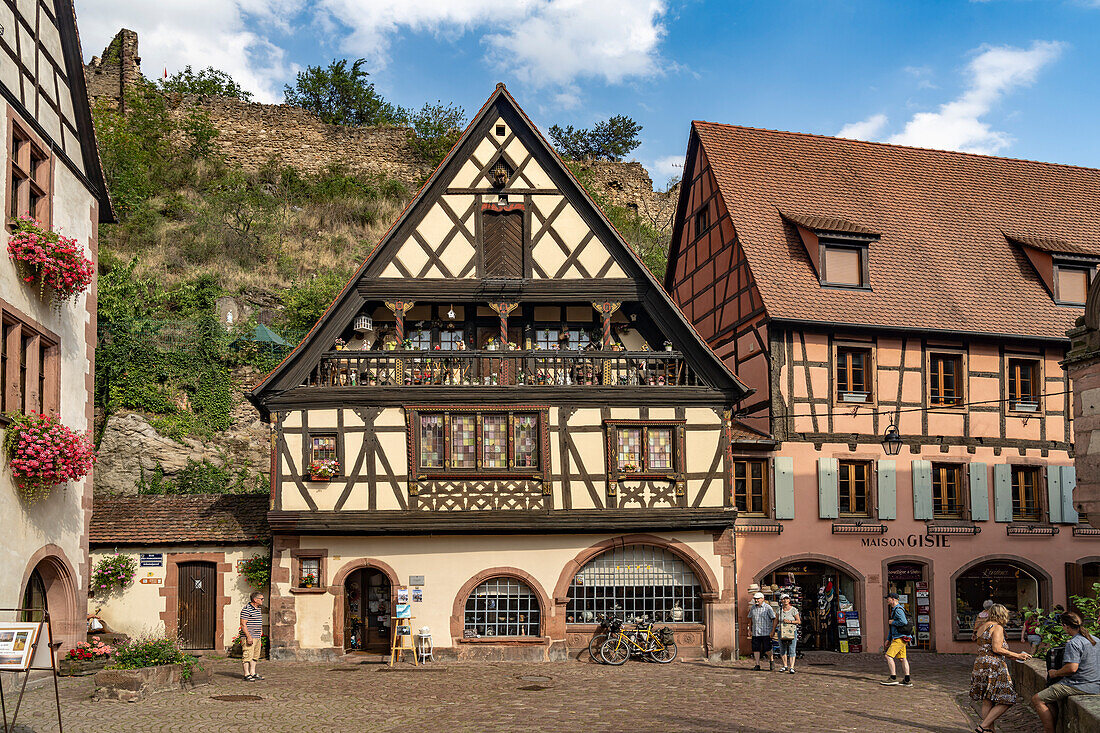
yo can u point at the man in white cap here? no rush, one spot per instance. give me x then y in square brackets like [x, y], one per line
[761, 627]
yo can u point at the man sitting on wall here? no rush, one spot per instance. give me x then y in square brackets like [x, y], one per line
[1078, 675]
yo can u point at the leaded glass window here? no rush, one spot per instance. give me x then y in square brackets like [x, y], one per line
[431, 441]
[645, 448]
[659, 443]
[494, 441]
[463, 441]
[323, 448]
[527, 440]
[502, 607]
[629, 453]
[635, 580]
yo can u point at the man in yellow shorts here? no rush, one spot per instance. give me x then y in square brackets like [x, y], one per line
[897, 641]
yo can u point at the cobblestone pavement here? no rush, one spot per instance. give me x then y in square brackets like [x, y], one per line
[830, 692]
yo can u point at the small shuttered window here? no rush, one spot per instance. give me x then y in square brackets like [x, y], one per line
[502, 233]
[1072, 284]
[844, 266]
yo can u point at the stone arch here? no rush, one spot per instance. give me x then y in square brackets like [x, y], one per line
[67, 619]
[927, 563]
[546, 608]
[1046, 582]
[336, 588]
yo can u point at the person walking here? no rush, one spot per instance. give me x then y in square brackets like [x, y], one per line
[990, 682]
[252, 629]
[761, 626]
[789, 623]
[897, 641]
[1078, 675]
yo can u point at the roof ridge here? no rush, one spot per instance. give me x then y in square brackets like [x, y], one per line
[876, 143]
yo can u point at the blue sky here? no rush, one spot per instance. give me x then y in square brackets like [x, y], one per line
[1007, 77]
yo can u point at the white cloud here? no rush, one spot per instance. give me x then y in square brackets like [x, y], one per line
[867, 129]
[224, 34]
[992, 73]
[666, 167]
[542, 42]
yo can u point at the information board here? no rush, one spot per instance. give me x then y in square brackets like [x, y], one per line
[17, 644]
[151, 559]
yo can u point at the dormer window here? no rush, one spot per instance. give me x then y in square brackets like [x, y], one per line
[1071, 282]
[844, 265]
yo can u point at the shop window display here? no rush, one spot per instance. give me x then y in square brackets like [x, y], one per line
[502, 607]
[907, 579]
[1010, 585]
[830, 620]
[367, 610]
[635, 580]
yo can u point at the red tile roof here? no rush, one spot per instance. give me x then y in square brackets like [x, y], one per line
[217, 519]
[943, 260]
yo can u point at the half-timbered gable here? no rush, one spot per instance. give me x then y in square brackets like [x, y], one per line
[505, 371]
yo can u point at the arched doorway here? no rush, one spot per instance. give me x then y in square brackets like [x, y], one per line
[828, 599]
[49, 583]
[34, 597]
[1013, 584]
[367, 598]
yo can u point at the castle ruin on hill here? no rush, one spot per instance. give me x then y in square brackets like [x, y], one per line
[250, 134]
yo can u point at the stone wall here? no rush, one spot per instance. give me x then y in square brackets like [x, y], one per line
[627, 184]
[109, 74]
[1079, 714]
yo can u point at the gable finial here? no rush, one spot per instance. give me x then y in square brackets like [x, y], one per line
[500, 85]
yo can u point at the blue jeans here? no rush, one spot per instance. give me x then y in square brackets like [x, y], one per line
[787, 647]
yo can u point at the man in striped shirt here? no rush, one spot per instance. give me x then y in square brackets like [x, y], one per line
[252, 630]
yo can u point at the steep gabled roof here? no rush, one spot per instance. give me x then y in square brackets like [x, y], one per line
[503, 104]
[943, 260]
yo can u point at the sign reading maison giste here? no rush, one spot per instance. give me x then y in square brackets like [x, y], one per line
[913, 540]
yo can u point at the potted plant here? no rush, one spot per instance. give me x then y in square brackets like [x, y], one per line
[43, 453]
[55, 262]
[668, 346]
[86, 657]
[628, 468]
[323, 470]
[340, 344]
[309, 580]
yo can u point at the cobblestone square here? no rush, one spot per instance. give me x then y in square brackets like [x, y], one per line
[829, 692]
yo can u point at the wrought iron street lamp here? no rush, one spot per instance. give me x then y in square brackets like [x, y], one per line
[891, 440]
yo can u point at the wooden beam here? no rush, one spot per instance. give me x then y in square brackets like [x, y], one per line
[441, 290]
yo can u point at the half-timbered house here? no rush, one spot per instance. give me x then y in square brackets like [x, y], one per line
[505, 421]
[901, 314]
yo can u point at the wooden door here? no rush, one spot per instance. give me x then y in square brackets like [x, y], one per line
[198, 586]
[503, 236]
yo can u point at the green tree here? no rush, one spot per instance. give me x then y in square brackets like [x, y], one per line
[612, 139]
[306, 302]
[341, 95]
[208, 82]
[436, 128]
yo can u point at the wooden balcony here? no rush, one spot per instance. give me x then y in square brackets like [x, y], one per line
[495, 368]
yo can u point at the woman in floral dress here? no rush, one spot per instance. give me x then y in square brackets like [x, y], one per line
[990, 682]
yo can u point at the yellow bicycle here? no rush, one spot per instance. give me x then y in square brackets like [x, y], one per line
[655, 645]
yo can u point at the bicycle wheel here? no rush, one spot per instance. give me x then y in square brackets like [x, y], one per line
[615, 651]
[665, 654]
[594, 647]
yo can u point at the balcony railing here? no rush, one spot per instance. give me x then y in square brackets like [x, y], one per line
[496, 368]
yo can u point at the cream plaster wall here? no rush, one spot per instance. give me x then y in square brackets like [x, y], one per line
[136, 609]
[58, 520]
[447, 562]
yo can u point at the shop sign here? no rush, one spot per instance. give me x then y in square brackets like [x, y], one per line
[923, 635]
[152, 581]
[151, 559]
[913, 540]
[416, 580]
[923, 618]
[922, 585]
[906, 572]
[924, 627]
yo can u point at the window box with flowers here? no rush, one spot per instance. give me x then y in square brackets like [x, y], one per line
[42, 453]
[324, 470]
[85, 658]
[53, 262]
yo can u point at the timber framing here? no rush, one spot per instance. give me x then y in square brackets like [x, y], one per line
[506, 522]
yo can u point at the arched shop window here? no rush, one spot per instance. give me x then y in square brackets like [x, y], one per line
[1009, 584]
[635, 580]
[502, 607]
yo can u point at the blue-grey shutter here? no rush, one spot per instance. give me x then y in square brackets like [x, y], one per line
[887, 490]
[826, 487]
[922, 490]
[979, 492]
[1002, 492]
[784, 487]
[1069, 482]
[1054, 494]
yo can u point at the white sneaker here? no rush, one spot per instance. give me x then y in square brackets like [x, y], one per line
[783, 670]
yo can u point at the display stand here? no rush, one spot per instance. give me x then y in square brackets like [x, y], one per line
[402, 642]
[40, 655]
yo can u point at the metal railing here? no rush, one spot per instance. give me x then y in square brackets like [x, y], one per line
[496, 368]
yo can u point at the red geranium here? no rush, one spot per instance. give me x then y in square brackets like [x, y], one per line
[54, 261]
[43, 453]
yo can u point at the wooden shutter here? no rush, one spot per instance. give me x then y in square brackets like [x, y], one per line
[1002, 492]
[783, 471]
[922, 490]
[1069, 482]
[843, 266]
[979, 492]
[503, 236]
[887, 490]
[1054, 494]
[827, 469]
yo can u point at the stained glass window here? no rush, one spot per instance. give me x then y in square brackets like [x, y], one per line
[526, 440]
[630, 449]
[463, 441]
[324, 448]
[431, 441]
[494, 441]
[660, 449]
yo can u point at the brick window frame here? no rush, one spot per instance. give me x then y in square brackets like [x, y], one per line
[28, 174]
[30, 365]
[296, 557]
